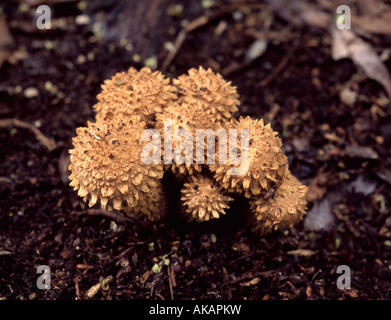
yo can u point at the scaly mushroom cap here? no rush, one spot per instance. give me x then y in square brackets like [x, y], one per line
[106, 164]
[281, 210]
[153, 205]
[211, 90]
[185, 116]
[135, 92]
[203, 199]
[265, 159]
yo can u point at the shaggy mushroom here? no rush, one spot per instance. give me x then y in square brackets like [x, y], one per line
[265, 160]
[135, 92]
[153, 205]
[210, 90]
[178, 120]
[280, 209]
[106, 164]
[203, 199]
[109, 164]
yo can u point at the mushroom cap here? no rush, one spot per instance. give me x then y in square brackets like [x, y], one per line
[188, 117]
[106, 164]
[265, 159]
[283, 209]
[135, 92]
[153, 205]
[211, 90]
[203, 199]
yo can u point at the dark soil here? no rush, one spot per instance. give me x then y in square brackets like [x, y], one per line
[343, 150]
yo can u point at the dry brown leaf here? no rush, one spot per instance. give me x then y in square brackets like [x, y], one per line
[242, 247]
[93, 291]
[346, 44]
[145, 276]
[317, 187]
[252, 282]
[315, 192]
[384, 174]
[373, 16]
[378, 24]
[302, 252]
[65, 254]
[353, 293]
[363, 152]
[299, 13]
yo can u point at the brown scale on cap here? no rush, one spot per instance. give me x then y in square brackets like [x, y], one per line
[211, 90]
[265, 159]
[203, 199]
[282, 209]
[189, 117]
[153, 205]
[106, 164]
[135, 92]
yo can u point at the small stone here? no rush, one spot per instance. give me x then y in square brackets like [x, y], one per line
[82, 19]
[348, 96]
[136, 58]
[31, 92]
[237, 15]
[257, 49]
[81, 59]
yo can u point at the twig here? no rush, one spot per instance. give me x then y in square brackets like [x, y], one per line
[100, 212]
[49, 143]
[246, 256]
[169, 271]
[123, 253]
[76, 280]
[193, 25]
[180, 39]
[159, 296]
[265, 274]
[281, 65]
[177, 45]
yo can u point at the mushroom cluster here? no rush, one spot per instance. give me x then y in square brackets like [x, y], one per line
[111, 162]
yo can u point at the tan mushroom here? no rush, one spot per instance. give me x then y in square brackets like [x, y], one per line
[262, 165]
[281, 208]
[180, 121]
[153, 205]
[203, 199]
[211, 91]
[135, 92]
[106, 165]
